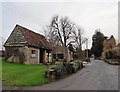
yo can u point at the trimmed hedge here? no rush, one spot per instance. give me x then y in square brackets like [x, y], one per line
[59, 71]
[63, 69]
[74, 66]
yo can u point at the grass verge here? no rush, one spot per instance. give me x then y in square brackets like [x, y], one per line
[23, 75]
[0, 69]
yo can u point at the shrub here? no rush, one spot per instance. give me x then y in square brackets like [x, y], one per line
[108, 54]
[66, 68]
[78, 64]
[53, 61]
[73, 67]
[59, 71]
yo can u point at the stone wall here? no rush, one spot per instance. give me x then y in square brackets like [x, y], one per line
[68, 55]
[22, 55]
[15, 54]
[109, 43]
[30, 58]
[116, 51]
[16, 38]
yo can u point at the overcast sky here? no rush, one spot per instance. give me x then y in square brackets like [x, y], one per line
[102, 14]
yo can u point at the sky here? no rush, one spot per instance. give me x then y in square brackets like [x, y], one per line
[34, 15]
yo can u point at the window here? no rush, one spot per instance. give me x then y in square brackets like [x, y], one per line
[33, 53]
[60, 56]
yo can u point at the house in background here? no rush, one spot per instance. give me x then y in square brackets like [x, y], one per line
[62, 53]
[109, 43]
[26, 46]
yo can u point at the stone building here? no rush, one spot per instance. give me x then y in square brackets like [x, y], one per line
[117, 49]
[62, 53]
[26, 46]
[108, 44]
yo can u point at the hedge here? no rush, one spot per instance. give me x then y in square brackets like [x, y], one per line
[63, 69]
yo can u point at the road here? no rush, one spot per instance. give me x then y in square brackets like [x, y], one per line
[96, 75]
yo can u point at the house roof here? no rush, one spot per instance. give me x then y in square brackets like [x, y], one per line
[33, 38]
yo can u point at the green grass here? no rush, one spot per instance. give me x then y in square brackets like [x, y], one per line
[23, 75]
[0, 69]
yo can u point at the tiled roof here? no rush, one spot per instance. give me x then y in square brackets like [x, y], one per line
[34, 39]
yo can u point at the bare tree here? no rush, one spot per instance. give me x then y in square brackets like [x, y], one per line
[61, 31]
[78, 37]
[55, 29]
[51, 36]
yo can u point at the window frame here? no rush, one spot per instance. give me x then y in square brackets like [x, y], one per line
[33, 53]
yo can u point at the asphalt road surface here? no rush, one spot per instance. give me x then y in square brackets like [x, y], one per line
[96, 75]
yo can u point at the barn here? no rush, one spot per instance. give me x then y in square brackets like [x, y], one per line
[27, 47]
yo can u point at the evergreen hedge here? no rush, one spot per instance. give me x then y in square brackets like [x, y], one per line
[63, 69]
